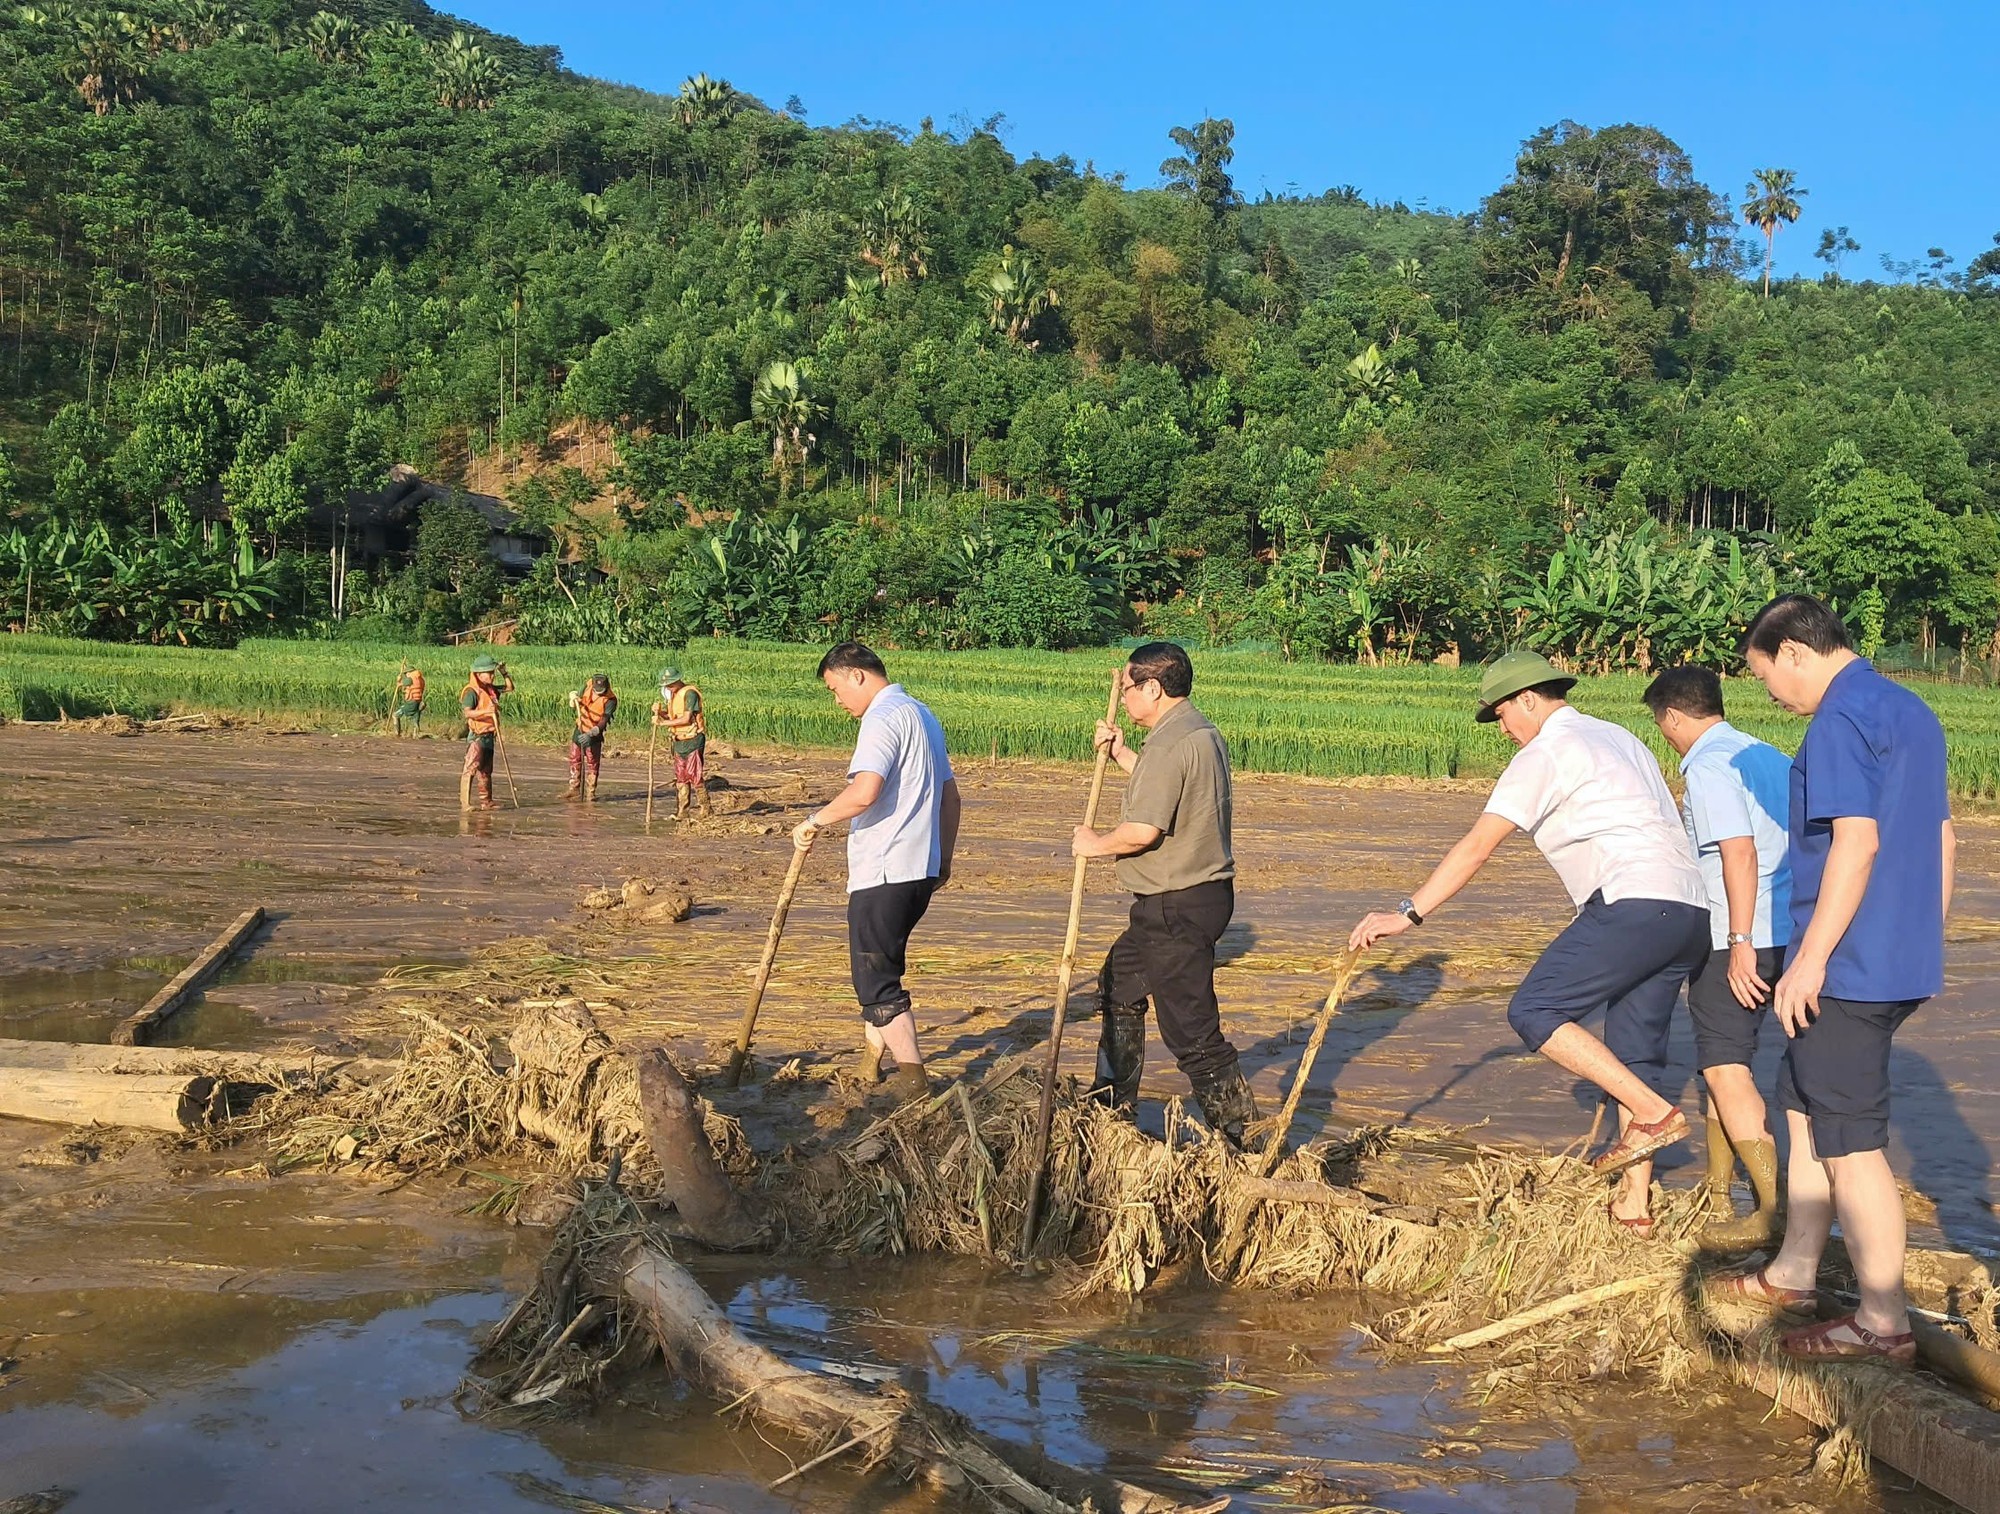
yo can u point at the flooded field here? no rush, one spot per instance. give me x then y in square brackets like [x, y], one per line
[180, 1333]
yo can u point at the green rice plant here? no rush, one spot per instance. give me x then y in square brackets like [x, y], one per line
[1281, 717]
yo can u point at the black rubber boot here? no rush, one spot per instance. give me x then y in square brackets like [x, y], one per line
[1226, 1103]
[1121, 1058]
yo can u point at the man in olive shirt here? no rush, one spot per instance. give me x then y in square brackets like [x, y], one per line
[1172, 846]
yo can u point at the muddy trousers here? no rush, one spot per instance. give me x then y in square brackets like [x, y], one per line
[879, 922]
[1167, 955]
[475, 781]
[586, 754]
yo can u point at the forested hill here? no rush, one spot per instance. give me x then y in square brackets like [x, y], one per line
[779, 378]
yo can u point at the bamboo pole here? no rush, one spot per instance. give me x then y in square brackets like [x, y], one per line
[1282, 1126]
[1555, 1308]
[652, 741]
[501, 746]
[733, 1077]
[1045, 1116]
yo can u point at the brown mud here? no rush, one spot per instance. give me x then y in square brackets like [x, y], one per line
[173, 1323]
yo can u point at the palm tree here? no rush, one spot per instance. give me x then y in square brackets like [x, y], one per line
[704, 99]
[898, 246]
[203, 23]
[332, 39]
[1016, 294]
[512, 272]
[108, 68]
[781, 401]
[468, 76]
[1771, 196]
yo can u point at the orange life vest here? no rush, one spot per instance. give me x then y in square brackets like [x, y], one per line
[413, 687]
[684, 724]
[591, 708]
[483, 719]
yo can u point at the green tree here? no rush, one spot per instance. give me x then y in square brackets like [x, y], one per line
[1201, 171]
[782, 403]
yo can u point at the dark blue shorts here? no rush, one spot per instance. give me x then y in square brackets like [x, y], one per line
[1836, 1073]
[1725, 1033]
[1628, 959]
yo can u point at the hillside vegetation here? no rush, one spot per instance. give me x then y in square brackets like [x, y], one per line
[764, 377]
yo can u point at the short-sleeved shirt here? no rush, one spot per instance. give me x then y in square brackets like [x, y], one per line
[1593, 800]
[897, 839]
[1738, 786]
[1180, 787]
[1875, 750]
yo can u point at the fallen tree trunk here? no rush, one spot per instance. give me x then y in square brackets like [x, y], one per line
[140, 1101]
[884, 1425]
[1941, 1439]
[711, 1211]
[139, 1028]
[236, 1066]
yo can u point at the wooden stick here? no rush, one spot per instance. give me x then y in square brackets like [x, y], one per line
[139, 1028]
[733, 1076]
[505, 766]
[1569, 1303]
[1045, 1116]
[858, 1438]
[652, 740]
[1268, 1160]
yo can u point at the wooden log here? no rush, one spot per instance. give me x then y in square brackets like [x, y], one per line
[139, 1101]
[139, 1028]
[1919, 1427]
[837, 1413]
[236, 1066]
[710, 1208]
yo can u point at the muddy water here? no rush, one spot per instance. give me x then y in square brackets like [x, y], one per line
[218, 1342]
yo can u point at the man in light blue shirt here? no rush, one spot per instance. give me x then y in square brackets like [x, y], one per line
[901, 802]
[1736, 807]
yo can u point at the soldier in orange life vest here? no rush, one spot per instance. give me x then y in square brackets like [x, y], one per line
[409, 700]
[481, 703]
[679, 709]
[594, 706]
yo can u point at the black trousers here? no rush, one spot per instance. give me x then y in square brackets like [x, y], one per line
[879, 922]
[1167, 954]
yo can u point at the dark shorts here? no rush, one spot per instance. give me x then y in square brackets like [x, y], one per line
[1724, 1031]
[1836, 1073]
[409, 709]
[579, 739]
[879, 922]
[1628, 959]
[1167, 954]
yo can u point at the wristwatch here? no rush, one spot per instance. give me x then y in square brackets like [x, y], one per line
[1737, 938]
[1409, 912]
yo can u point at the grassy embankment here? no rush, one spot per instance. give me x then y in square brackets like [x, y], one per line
[1331, 721]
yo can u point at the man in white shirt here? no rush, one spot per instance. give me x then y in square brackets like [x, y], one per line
[1592, 797]
[901, 802]
[1737, 805]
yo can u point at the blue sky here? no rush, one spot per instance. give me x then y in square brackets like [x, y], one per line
[1887, 112]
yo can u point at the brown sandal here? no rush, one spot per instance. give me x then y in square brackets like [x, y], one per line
[1640, 1141]
[1815, 1343]
[1641, 1226]
[1756, 1289]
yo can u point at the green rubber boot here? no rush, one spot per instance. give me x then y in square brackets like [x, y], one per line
[1721, 1169]
[1764, 1226]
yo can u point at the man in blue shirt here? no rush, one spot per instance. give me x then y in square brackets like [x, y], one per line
[1872, 859]
[1735, 807]
[902, 807]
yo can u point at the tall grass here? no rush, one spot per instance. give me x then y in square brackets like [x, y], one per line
[1330, 721]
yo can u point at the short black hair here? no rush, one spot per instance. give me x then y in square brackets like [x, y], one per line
[1799, 618]
[1166, 662]
[1555, 688]
[850, 656]
[1692, 691]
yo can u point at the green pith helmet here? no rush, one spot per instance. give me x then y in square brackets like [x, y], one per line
[1510, 673]
[485, 662]
[601, 682]
[670, 675]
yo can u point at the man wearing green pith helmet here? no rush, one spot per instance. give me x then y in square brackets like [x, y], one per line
[1593, 800]
[679, 709]
[481, 704]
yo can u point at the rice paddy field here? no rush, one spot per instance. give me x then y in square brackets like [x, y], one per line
[1314, 719]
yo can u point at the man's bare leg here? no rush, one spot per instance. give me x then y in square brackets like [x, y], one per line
[1577, 1051]
[1808, 1211]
